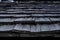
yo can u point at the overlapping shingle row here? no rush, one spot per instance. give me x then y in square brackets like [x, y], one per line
[30, 17]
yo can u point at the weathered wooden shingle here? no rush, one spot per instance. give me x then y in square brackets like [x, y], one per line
[55, 19]
[33, 14]
[6, 20]
[18, 27]
[44, 27]
[26, 27]
[24, 20]
[33, 28]
[52, 27]
[38, 28]
[42, 20]
[6, 27]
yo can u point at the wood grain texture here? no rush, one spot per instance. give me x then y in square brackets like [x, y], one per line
[36, 16]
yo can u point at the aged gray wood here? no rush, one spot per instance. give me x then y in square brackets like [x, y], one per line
[24, 19]
[18, 27]
[42, 19]
[2, 15]
[52, 27]
[21, 7]
[57, 26]
[31, 8]
[22, 11]
[6, 27]
[45, 15]
[33, 28]
[55, 19]
[39, 7]
[26, 27]
[44, 27]
[51, 14]
[10, 0]
[21, 15]
[37, 14]
[24, 15]
[14, 15]
[6, 20]
[20, 19]
[11, 10]
[38, 27]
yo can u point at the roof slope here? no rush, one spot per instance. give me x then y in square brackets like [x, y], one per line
[31, 17]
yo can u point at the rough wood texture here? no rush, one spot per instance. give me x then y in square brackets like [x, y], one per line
[27, 19]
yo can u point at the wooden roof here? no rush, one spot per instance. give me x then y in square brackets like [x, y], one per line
[36, 17]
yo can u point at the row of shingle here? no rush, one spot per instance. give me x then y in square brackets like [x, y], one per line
[28, 12]
[38, 1]
[27, 3]
[29, 15]
[37, 6]
[30, 20]
[30, 27]
[32, 8]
